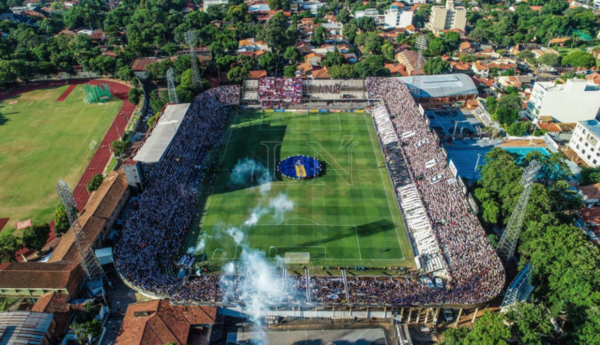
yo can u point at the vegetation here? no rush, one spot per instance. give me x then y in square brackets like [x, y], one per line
[36, 236]
[95, 183]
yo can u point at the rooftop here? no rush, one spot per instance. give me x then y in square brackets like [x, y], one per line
[163, 132]
[444, 85]
[592, 125]
[24, 327]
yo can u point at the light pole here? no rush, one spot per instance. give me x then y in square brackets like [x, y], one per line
[476, 164]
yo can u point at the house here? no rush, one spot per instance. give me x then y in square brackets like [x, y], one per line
[559, 41]
[314, 59]
[517, 81]
[56, 304]
[140, 66]
[304, 48]
[305, 68]
[466, 47]
[409, 58]
[252, 45]
[258, 74]
[207, 3]
[593, 78]
[480, 69]
[589, 221]
[320, 74]
[159, 323]
[460, 67]
[396, 69]
[590, 195]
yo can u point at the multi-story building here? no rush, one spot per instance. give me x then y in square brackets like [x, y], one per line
[396, 18]
[447, 17]
[575, 101]
[392, 18]
[207, 3]
[585, 142]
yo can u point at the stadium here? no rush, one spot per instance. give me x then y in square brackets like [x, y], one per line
[290, 193]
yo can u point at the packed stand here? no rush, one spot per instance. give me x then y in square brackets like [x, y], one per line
[476, 272]
[275, 91]
[157, 228]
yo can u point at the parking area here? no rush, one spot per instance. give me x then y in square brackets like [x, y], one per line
[373, 336]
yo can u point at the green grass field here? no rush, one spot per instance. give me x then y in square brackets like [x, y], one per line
[346, 217]
[41, 141]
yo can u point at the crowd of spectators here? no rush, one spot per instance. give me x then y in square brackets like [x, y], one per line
[476, 272]
[155, 232]
[281, 90]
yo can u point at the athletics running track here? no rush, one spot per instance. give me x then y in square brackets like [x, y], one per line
[103, 152]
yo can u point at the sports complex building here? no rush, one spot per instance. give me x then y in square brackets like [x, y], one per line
[381, 221]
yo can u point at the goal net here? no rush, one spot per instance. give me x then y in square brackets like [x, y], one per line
[93, 145]
[297, 258]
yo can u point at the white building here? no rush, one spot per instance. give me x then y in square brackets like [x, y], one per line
[575, 101]
[392, 18]
[586, 142]
[396, 18]
[447, 17]
[207, 3]
[313, 7]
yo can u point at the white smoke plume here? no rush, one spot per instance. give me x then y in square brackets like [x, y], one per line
[249, 172]
[198, 248]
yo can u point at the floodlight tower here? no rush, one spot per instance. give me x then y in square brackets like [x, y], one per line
[510, 236]
[89, 261]
[190, 38]
[171, 86]
[421, 45]
[519, 288]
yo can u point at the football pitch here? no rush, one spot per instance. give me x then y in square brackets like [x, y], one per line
[348, 216]
[41, 141]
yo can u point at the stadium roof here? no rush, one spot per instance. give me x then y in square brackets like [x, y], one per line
[433, 86]
[162, 134]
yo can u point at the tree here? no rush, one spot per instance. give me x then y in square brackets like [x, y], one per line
[36, 236]
[134, 95]
[511, 101]
[455, 336]
[118, 147]
[549, 59]
[237, 74]
[589, 331]
[275, 5]
[589, 176]
[519, 129]
[489, 329]
[344, 71]
[530, 322]
[269, 62]
[158, 100]
[388, 51]
[499, 187]
[289, 71]
[87, 330]
[526, 55]
[125, 73]
[491, 104]
[366, 24]
[291, 54]
[333, 59]
[579, 58]
[61, 221]
[319, 36]
[505, 115]
[436, 65]
[95, 182]
[9, 245]
[344, 16]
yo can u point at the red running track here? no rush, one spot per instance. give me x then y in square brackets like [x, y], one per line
[66, 93]
[104, 152]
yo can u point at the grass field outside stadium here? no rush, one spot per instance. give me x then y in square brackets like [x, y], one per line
[346, 217]
[41, 141]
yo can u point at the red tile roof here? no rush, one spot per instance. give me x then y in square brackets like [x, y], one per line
[258, 74]
[158, 322]
[141, 64]
[591, 191]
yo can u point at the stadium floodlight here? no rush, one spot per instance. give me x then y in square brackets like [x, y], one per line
[89, 261]
[510, 236]
[421, 45]
[190, 38]
[171, 86]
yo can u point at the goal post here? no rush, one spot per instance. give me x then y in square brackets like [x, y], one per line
[297, 258]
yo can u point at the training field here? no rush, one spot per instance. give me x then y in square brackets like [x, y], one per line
[41, 141]
[346, 217]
